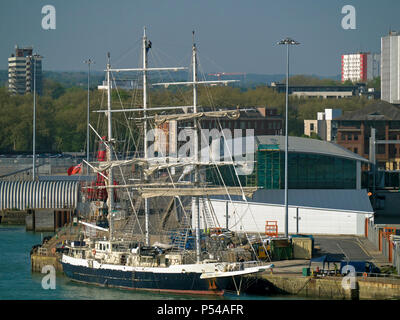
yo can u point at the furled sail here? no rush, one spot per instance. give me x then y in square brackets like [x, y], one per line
[206, 191]
[160, 166]
[103, 166]
[230, 114]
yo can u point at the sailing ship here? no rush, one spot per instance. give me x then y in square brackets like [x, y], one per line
[185, 265]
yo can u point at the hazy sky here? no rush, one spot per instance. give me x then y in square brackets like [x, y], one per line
[232, 36]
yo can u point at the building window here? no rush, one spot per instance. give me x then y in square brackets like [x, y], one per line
[355, 136]
[349, 137]
[355, 150]
[311, 126]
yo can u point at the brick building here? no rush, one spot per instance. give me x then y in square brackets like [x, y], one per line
[264, 121]
[354, 131]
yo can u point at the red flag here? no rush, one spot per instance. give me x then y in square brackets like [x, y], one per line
[75, 169]
[101, 154]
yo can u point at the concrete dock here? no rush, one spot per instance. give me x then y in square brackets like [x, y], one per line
[331, 287]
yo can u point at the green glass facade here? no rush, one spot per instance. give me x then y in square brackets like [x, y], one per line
[305, 171]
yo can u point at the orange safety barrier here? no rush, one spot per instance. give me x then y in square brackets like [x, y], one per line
[271, 228]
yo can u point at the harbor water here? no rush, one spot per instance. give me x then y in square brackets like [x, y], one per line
[17, 282]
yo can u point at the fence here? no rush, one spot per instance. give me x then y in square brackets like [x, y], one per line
[396, 253]
[387, 240]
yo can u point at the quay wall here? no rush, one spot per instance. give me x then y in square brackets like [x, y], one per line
[13, 217]
[331, 287]
[39, 261]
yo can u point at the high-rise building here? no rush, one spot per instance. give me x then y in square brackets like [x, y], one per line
[21, 68]
[390, 67]
[360, 66]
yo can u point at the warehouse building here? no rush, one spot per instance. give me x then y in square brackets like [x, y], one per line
[312, 164]
[311, 211]
[324, 197]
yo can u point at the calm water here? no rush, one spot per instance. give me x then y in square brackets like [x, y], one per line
[18, 283]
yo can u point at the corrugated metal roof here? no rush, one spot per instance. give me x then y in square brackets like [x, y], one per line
[67, 178]
[307, 145]
[38, 194]
[330, 199]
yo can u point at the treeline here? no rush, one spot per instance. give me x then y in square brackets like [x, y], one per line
[61, 114]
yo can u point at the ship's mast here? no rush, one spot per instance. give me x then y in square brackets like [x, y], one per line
[195, 82]
[144, 69]
[110, 191]
[146, 201]
[196, 207]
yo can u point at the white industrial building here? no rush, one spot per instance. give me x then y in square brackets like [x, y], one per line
[329, 208]
[325, 212]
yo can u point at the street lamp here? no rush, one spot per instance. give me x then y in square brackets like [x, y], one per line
[34, 57]
[34, 120]
[88, 62]
[288, 42]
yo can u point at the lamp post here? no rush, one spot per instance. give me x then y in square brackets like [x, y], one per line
[88, 62]
[34, 120]
[34, 58]
[288, 42]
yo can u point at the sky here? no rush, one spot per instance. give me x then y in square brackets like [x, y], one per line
[232, 36]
